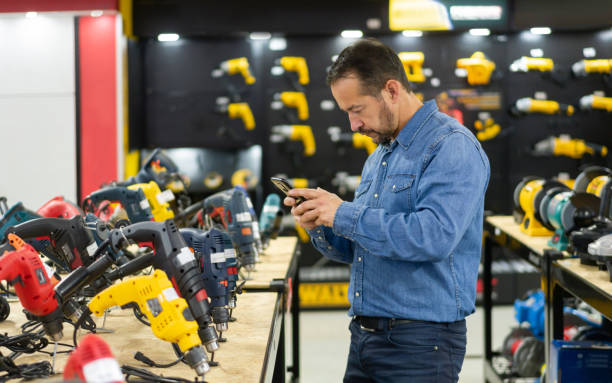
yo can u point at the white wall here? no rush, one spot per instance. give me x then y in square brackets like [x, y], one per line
[37, 108]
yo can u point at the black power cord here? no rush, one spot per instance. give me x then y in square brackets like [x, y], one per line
[135, 374]
[26, 371]
[151, 363]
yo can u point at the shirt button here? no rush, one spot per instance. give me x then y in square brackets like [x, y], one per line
[319, 231]
[393, 186]
[359, 259]
[329, 247]
[320, 237]
[384, 163]
[357, 294]
[375, 195]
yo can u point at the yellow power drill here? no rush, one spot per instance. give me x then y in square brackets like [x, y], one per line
[240, 110]
[478, 68]
[295, 100]
[596, 102]
[239, 65]
[584, 67]
[413, 65]
[158, 300]
[487, 129]
[295, 133]
[356, 140]
[570, 147]
[158, 201]
[296, 64]
[526, 64]
[530, 105]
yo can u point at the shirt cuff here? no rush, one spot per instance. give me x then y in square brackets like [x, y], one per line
[317, 233]
[346, 219]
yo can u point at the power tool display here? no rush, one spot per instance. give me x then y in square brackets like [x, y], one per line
[254, 221]
[527, 195]
[158, 201]
[209, 250]
[58, 207]
[173, 257]
[134, 202]
[584, 67]
[487, 129]
[229, 211]
[165, 310]
[25, 271]
[565, 145]
[302, 133]
[238, 65]
[355, 140]
[93, 361]
[526, 64]
[478, 68]
[298, 65]
[240, 110]
[66, 242]
[592, 101]
[528, 105]
[413, 65]
[295, 100]
[270, 219]
[14, 216]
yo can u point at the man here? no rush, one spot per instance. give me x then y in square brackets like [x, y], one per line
[414, 229]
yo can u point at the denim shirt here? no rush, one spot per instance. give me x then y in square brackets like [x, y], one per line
[413, 232]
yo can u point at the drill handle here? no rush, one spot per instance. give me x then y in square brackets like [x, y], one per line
[131, 267]
[116, 295]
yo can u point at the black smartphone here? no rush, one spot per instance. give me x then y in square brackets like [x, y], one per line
[284, 186]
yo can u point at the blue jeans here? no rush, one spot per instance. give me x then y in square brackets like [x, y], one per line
[415, 352]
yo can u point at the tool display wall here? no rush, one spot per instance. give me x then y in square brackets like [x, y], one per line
[176, 95]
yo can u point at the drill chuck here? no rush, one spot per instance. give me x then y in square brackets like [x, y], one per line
[72, 310]
[220, 318]
[209, 337]
[197, 359]
[232, 302]
[52, 324]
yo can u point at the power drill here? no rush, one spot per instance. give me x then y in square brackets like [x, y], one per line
[238, 65]
[526, 64]
[296, 64]
[530, 105]
[134, 202]
[303, 133]
[166, 311]
[232, 269]
[592, 101]
[158, 201]
[478, 67]
[26, 272]
[240, 110]
[295, 100]
[173, 257]
[209, 251]
[254, 221]
[356, 140]
[66, 242]
[413, 65]
[270, 219]
[58, 207]
[570, 147]
[13, 216]
[229, 211]
[93, 361]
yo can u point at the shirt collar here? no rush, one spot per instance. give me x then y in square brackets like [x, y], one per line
[406, 135]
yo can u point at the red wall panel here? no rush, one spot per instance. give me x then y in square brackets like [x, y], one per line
[98, 101]
[55, 5]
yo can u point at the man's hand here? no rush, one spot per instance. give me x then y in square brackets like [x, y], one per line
[319, 208]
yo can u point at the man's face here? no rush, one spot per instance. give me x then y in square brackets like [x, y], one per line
[367, 114]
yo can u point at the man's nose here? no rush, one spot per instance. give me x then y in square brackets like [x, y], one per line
[355, 123]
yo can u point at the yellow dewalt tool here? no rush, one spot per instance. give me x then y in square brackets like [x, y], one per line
[531, 105]
[158, 201]
[295, 133]
[596, 102]
[244, 177]
[478, 68]
[361, 141]
[413, 65]
[296, 64]
[584, 67]
[158, 300]
[239, 65]
[524, 199]
[526, 64]
[240, 110]
[295, 100]
[564, 145]
[487, 129]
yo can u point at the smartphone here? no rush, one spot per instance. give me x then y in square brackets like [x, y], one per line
[284, 186]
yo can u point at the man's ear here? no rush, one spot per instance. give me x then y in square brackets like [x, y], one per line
[393, 89]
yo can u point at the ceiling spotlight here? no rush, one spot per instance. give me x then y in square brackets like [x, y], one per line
[540, 31]
[411, 33]
[480, 32]
[260, 35]
[352, 34]
[164, 37]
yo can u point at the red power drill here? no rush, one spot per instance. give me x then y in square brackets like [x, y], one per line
[26, 272]
[58, 207]
[93, 361]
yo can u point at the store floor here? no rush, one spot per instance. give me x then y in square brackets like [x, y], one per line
[325, 343]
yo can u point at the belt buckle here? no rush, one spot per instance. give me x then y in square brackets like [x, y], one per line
[366, 328]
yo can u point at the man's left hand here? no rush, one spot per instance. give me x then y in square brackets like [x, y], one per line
[319, 208]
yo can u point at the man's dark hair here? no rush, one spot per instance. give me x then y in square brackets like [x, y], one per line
[372, 62]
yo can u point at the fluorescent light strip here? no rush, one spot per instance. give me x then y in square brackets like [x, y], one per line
[260, 35]
[164, 37]
[478, 12]
[480, 32]
[352, 34]
[540, 31]
[412, 33]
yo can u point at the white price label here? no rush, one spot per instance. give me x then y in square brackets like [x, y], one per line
[103, 370]
[230, 253]
[170, 294]
[144, 204]
[272, 209]
[91, 249]
[243, 217]
[165, 196]
[185, 256]
[217, 257]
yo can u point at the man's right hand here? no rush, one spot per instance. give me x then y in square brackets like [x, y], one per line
[308, 225]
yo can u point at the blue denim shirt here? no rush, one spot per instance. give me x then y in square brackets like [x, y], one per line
[413, 232]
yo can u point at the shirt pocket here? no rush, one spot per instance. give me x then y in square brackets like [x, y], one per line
[398, 192]
[362, 189]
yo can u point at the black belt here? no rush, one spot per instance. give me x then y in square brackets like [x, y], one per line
[380, 324]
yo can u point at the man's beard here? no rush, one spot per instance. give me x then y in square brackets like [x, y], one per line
[385, 118]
